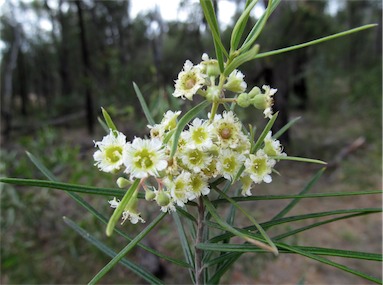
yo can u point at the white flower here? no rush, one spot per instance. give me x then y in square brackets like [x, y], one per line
[169, 120]
[272, 147]
[259, 167]
[235, 82]
[189, 81]
[199, 135]
[229, 163]
[198, 185]
[180, 187]
[246, 185]
[195, 159]
[114, 203]
[145, 157]
[134, 218]
[227, 130]
[109, 157]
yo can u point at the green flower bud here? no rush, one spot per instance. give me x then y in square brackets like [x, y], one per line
[260, 101]
[123, 182]
[255, 91]
[212, 68]
[243, 100]
[213, 94]
[162, 199]
[149, 195]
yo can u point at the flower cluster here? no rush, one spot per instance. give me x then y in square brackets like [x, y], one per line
[207, 149]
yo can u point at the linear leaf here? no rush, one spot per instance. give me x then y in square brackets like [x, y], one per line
[144, 106]
[185, 244]
[314, 42]
[121, 207]
[127, 249]
[285, 128]
[295, 201]
[140, 271]
[295, 158]
[64, 186]
[108, 120]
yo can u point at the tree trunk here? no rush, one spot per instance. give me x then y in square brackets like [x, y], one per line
[86, 70]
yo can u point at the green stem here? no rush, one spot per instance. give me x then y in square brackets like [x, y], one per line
[199, 239]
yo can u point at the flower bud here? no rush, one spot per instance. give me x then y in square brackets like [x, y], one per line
[162, 199]
[243, 100]
[213, 94]
[149, 195]
[255, 91]
[259, 101]
[123, 182]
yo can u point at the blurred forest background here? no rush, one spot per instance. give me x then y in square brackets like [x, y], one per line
[62, 60]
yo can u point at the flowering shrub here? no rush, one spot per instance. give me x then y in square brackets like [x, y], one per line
[188, 156]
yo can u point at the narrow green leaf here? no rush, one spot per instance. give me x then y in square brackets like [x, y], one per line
[255, 223]
[314, 42]
[41, 167]
[140, 271]
[252, 239]
[307, 188]
[185, 245]
[285, 128]
[121, 207]
[184, 121]
[144, 106]
[108, 120]
[244, 248]
[103, 125]
[64, 186]
[240, 25]
[258, 27]
[295, 158]
[241, 59]
[127, 249]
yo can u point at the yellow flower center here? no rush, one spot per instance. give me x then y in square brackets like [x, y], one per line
[113, 154]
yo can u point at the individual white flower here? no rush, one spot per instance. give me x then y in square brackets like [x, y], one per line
[211, 170]
[189, 81]
[165, 201]
[209, 66]
[247, 182]
[199, 135]
[133, 217]
[195, 159]
[227, 130]
[259, 167]
[169, 121]
[264, 101]
[179, 188]
[156, 131]
[109, 157]
[229, 163]
[199, 186]
[145, 157]
[235, 82]
[272, 147]
[114, 203]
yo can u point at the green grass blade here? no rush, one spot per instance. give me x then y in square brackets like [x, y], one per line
[108, 120]
[314, 42]
[184, 121]
[185, 245]
[140, 271]
[64, 186]
[41, 166]
[295, 201]
[144, 106]
[121, 207]
[127, 249]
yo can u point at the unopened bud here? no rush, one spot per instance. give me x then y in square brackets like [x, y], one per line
[255, 91]
[123, 182]
[162, 199]
[243, 100]
[149, 195]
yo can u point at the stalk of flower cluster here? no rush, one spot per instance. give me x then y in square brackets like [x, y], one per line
[199, 239]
